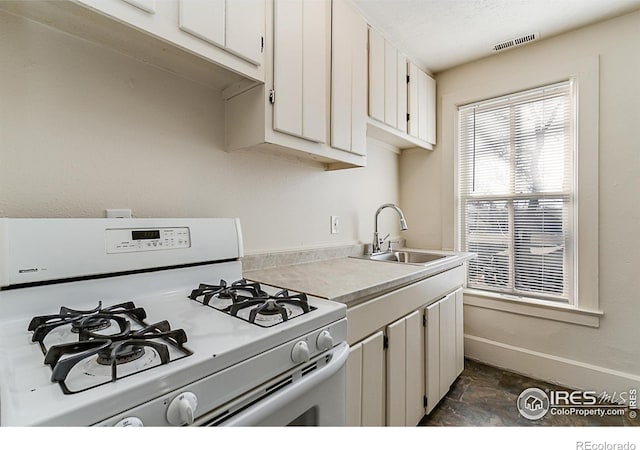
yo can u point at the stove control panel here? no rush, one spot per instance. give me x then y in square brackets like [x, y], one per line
[125, 240]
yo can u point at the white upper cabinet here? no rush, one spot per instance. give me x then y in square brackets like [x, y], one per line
[391, 85]
[348, 79]
[235, 25]
[422, 105]
[245, 28]
[300, 68]
[307, 106]
[376, 75]
[218, 43]
[387, 82]
[204, 19]
[401, 97]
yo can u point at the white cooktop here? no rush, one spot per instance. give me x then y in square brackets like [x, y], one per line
[217, 340]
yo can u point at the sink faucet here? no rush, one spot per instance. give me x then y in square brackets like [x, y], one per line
[376, 240]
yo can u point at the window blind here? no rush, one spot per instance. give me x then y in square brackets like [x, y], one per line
[516, 192]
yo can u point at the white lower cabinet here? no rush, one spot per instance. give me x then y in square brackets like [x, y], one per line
[405, 371]
[444, 346]
[365, 382]
[399, 373]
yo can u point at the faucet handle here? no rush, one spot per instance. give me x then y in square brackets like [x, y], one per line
[381, 241]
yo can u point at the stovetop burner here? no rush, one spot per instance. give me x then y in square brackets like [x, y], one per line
[237, 298]
[114, 336]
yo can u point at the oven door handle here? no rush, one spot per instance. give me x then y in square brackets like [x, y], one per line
[278, 400]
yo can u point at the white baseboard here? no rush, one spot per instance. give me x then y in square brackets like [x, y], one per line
[553, 369]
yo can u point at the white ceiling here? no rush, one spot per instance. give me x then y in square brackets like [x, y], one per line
[439, 34]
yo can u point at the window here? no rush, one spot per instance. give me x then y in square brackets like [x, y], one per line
[516, 187]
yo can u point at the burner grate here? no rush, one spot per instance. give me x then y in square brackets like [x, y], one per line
[234, 299]
[119, 348]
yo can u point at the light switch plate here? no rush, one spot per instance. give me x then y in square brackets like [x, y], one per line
[335, 224]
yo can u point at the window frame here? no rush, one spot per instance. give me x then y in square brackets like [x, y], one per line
[512, 100]
[585, 71]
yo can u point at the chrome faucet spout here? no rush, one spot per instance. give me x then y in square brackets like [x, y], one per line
[403, 226]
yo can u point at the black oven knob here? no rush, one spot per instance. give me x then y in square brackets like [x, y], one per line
[182, 409]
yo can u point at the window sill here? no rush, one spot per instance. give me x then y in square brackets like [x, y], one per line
[532, 307]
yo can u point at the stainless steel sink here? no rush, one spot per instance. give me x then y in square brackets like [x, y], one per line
[406, 257]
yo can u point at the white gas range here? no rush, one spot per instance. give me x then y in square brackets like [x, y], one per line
[149, 322]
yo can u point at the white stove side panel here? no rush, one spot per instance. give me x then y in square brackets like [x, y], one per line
[35, 250]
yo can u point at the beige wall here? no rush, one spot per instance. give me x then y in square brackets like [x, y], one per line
[83, 128]
[427, 196]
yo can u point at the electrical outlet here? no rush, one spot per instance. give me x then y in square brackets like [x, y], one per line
[335, 224]
[119, 213]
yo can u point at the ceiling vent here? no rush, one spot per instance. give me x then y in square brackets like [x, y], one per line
[516, 42]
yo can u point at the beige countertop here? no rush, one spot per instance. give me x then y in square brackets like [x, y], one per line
[352, 280]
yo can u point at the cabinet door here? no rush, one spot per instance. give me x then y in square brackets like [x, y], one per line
[430, 135]
[373, 381]
[459, 332]
[432, 355]
[300, 68]
[390, 85]
[421, 105]
[204, 19]
[245, 28]
[447, 343]
[359, 85]
[287, 66]
[415, 366]
[354, 386]
[412, 100]
[348, 79]
[376, 75]
[405, 371]
[401, 87]
[315, 69]
[396, 365]
[423, 87]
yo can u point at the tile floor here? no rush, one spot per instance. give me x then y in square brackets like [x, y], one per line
[486, 396]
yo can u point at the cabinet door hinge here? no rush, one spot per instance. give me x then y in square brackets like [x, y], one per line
[424, 321]
[408, 78]
[261, 44]
[385, 342]
[408, 116]
[424, 401]
[272, 96]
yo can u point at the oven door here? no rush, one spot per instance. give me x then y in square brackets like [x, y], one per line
[311, 394]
